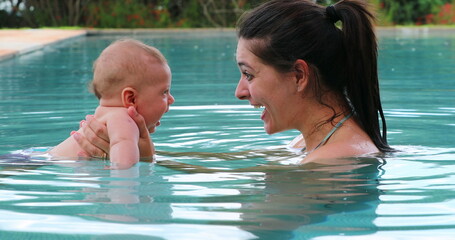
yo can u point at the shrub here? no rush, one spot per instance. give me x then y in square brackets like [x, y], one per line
[126, 14]
[445, 15]
[411, 11]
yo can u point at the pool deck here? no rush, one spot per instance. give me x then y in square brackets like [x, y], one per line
[15, 42]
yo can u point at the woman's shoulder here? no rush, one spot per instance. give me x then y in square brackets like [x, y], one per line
[348, 141]
[350, 146]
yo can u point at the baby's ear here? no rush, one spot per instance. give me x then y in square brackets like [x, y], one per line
[129, 97]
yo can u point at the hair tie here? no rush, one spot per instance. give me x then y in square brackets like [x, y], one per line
[332, 14]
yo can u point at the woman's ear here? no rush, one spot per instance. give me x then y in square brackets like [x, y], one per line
[129, 97]
[302, 74]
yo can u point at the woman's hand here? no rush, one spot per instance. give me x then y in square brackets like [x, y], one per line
[93, 138]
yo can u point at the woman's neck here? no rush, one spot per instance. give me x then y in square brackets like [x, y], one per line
[318, 120]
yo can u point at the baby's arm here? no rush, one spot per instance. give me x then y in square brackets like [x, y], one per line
[146, 146]
[124, 136]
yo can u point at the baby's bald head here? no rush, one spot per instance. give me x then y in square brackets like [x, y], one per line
[124, 63]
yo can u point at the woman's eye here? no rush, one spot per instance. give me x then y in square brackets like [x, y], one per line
[248, 76]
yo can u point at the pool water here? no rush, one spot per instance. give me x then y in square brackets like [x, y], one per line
[219, 175]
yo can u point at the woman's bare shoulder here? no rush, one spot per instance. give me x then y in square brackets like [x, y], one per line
[346, 144]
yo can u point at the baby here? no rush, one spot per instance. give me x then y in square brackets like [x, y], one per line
[127, 74]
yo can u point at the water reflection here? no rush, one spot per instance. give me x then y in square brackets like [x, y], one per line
[278, 200]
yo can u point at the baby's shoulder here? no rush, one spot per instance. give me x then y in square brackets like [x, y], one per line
[104, 113]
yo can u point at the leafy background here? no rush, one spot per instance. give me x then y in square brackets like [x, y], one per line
[190, 13]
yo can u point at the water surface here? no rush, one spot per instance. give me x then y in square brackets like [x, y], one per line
[219, 175]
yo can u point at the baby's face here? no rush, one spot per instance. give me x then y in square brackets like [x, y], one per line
[154, 99]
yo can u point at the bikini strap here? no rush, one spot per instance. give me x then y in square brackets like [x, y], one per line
[332, 131]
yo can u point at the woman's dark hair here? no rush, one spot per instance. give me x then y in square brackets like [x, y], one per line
[341, 60]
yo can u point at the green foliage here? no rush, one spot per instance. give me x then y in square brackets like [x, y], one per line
[410, 11]
[126, 14]
[445, 15]
[219, 13]
[190, 13]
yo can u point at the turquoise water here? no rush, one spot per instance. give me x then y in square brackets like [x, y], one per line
[221, 195]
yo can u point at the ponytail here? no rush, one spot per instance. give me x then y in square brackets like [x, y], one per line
[362, 85]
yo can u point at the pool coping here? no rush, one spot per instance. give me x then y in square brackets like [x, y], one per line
[16, 42]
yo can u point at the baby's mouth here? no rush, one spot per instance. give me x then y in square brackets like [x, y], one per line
[152, 128]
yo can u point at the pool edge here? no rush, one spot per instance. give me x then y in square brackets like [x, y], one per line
[16, 42]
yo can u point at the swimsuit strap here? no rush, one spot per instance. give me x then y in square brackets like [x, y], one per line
[330, 133]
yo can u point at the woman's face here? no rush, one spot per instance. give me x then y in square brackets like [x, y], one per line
[263, 86]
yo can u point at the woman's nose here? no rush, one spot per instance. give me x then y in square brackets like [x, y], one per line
[242, 92]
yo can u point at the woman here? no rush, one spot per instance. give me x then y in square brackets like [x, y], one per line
[309, 75]
[312, 76]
